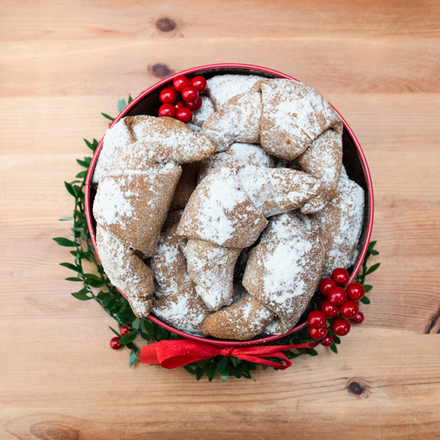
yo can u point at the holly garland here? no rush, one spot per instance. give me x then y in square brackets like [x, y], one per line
[331, 303]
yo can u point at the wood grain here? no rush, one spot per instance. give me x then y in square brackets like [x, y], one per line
[62, 63]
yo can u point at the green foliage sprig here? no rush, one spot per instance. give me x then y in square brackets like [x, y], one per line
[98, 287]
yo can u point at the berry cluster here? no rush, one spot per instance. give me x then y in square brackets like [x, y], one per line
[114, 342]
[340, 302]
[189, 90]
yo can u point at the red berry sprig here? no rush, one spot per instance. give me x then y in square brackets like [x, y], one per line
[124, 330]
[114, 343]
[340, 306]
[186, 89]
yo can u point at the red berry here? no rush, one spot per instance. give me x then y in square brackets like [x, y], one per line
[124, 330]
[167, 110]
[358, 318]
[199, 83]
[179, 104]
[349, 309]
[330, 310]
[327, 341]
[337, 296]
[180, 82]
[167, 96]
[184, 114]
[114, 343]
[194, 105]
[340, 275]
[190, 93]
[355, 291]
[340, 326]
[317, 319]
[317, 333]
[326, 285]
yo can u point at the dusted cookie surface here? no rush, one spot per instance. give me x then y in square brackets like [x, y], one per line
[341, 225]
[183, 310]
[220, 212]
[284, 269]
[244, 320]
[127, 271]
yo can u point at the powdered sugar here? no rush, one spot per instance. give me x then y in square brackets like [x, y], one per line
[222, 88]
[116, 141]
[113, 203]
[341, 223]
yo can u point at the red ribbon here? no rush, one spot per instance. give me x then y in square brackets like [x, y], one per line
[174, 354]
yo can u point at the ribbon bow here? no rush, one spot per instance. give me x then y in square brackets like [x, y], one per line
[174, 354]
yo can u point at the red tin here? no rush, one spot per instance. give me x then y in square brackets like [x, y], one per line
[353, 158]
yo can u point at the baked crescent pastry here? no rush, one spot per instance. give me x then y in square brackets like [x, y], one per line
[183, 309]
[281, 276]
[237, 156]
[121, 200]
[243, 320]
[341, 225]
[287, 118]
[226, 213]
[169, 265]
[137, 178]
[284, 268]
[323, 160]
[126, 271]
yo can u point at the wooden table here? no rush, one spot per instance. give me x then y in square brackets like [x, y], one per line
[62, 63]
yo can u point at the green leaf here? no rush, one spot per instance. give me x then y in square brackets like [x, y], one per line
[222, 364]
[130, 99]
[371, 245]
[233, 360]
[64, 242]
[129, 337]
[225, 373]
[236, 372]
[70, 189]
[92, 145]
[66, 219]
[189, 369]
[114, 331]
[83, 163]
[367, 288]
[93, 280]
[76, 280]
[71, 267]
[121, 105]
[247, 375]
[334, 348]
[163, 333]
[374, 252]
[212, 367]
[365, 300]
[136, 323]
[145, 336]
[337, 339]
[107, 116]
[132, 358]
[199, 373]
[81, 296]
[311, 352]
[81, 174]
[372, 269]
[149, 327]
[103, 295]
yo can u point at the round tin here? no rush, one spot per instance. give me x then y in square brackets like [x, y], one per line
[147, 103]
